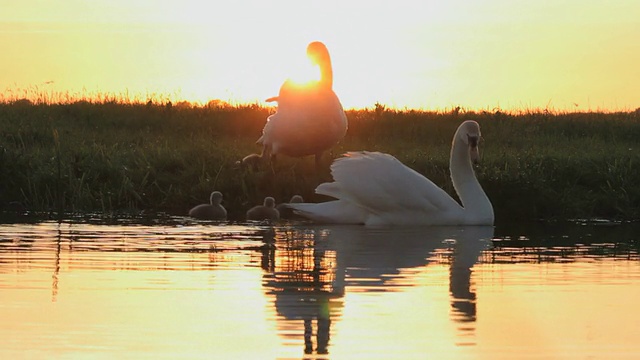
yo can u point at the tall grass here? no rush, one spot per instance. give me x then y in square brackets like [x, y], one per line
[135, 156]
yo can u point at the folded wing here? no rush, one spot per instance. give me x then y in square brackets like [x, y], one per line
[381, 184]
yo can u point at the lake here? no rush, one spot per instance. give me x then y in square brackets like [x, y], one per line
[176, 288]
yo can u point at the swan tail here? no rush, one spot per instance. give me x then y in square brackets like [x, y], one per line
[329, 189]
[334, 212]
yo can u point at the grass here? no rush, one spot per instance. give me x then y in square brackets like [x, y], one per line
[117, 156]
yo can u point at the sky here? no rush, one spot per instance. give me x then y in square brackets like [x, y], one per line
[578, 55]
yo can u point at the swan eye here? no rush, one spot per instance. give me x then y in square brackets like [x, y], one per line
[473, 140]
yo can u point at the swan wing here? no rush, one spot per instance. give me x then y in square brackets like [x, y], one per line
[333, 212]
[381, 184]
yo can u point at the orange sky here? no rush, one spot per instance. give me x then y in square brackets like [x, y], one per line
[564, 55]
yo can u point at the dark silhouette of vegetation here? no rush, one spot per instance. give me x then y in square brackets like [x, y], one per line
[114, 156]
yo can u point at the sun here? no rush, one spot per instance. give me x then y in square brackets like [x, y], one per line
[304, 73]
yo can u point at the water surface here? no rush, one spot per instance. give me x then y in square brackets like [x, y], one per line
[184, 289]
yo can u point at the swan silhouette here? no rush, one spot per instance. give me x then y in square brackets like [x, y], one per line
[375, 189]
[309, 119]
[211, 211]
[266, 211]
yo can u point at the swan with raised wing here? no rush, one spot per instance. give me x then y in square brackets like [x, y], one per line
[310, 118]
[374, 189]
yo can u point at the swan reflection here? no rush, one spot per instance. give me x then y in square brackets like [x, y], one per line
[314, 267]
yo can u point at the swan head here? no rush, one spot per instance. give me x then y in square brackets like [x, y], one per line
[269, 202]
[296, 199]
[251, 161]
[474, 154]
[318, 54]
[215, 198]
[469, 133]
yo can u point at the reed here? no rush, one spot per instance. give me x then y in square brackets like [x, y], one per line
[118, 156]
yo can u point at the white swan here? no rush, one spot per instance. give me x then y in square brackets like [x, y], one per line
[266, 211]
[376, 189]
[211, 211]
[309, 119]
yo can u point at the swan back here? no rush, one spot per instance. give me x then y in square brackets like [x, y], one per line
[387, 190]
[305, 124]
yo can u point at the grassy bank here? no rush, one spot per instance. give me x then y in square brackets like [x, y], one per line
[114, 156]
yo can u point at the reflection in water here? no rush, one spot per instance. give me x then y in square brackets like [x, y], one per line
[466, 252]
[89, 290]
[303, 280]
[319, 264]
[56, 269]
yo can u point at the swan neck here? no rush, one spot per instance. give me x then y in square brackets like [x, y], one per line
[473, 198]
[326, 72]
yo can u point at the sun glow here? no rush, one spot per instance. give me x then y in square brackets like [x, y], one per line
[408, 54]
[303, 75]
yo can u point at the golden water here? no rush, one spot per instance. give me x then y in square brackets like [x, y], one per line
[83, 289]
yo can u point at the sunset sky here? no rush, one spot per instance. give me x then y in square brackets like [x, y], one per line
[510, 54]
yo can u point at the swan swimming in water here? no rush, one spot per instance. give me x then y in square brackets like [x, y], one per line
[266, 211]
[285, 211]
[309, 119]
[374, 189]
[211, 211]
